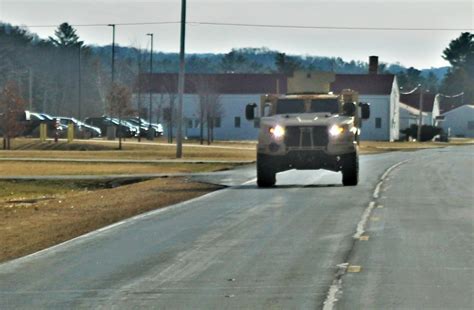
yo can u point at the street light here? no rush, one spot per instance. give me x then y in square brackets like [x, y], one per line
[179, 135]
[113, 51]
[150, 133]
[420, 118]
[79, 84]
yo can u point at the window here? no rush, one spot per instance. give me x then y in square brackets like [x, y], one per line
[237, 122]
[378, 122]
[325, 105]
[217, 122]
[196, 123]
[190, 123]
[289, 106]
[470, 125]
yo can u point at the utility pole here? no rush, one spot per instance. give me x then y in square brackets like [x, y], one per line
[113, 51]
[30, 88]
[420, 117]
[139, 103]
[150, 133]
[119, 127]
[79, 85]
[179, 134]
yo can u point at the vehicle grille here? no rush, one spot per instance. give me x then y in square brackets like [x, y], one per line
[306, 136]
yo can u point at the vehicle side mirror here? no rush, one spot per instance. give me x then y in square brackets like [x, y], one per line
[365, 110]
[349, 108]
[250, 111]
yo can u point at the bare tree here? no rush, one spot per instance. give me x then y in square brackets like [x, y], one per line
[139, 59]
[12, 111]
[119, 99]
[209, 107]
[214, 111]
[169, 114]
[167, 90]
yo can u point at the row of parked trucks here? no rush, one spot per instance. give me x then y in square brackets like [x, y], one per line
[91, 127]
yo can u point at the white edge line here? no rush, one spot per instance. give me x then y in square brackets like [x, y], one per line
[82, 238]
[377, 190]
[250, 181]
[331, 297]
[336, 286]
[361, 225]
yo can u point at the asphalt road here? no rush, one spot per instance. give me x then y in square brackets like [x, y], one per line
[402, 239]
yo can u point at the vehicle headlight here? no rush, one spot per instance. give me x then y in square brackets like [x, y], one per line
[277, 131]
[336, 130]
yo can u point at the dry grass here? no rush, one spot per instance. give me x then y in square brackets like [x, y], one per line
[99, 149]
[72, 209]
[371, 147]
[237, 150]
[15, 168]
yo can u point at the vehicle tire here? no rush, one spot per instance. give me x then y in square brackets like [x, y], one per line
[266, 172]
[350, 169]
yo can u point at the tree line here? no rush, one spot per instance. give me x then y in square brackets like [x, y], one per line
[63, 76]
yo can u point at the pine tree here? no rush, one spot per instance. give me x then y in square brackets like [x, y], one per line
[65, 36]
[460, 77]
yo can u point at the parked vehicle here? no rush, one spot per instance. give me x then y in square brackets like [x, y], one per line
[144, 126]
[123, 122]
[33, 121]
[82, 130]
[127, 130]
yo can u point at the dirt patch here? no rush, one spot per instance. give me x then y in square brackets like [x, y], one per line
[35, 215]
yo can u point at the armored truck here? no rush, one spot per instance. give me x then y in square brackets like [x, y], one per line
[308, 128]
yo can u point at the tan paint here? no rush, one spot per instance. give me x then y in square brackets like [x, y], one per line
[354, 268]
[310, 82]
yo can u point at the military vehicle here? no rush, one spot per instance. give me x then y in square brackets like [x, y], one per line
[308, 128]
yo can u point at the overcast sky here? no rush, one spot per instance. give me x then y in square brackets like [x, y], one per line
[421, 49]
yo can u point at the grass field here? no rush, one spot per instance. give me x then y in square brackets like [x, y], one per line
[16, 168]
[101, 149]
[35, 215]
[237, 150]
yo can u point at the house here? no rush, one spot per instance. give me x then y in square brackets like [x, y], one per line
[410, 116]
[459, 122]
[430, 109]
[228, 95]
[382, 92]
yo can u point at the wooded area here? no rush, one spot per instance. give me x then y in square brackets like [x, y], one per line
[62, 76]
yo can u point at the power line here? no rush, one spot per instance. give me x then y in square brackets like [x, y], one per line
[328, 27]
[452, 96]
[103, 25]
[411, 91]
[250, 25]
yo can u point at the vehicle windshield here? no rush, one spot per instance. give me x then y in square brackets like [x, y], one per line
[324, 105]
[46, 116]
[290, 106]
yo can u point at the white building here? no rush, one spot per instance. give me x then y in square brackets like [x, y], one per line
[410, 116]
[410, 104]
[459, 122]
[382, 92]
[233, 92]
